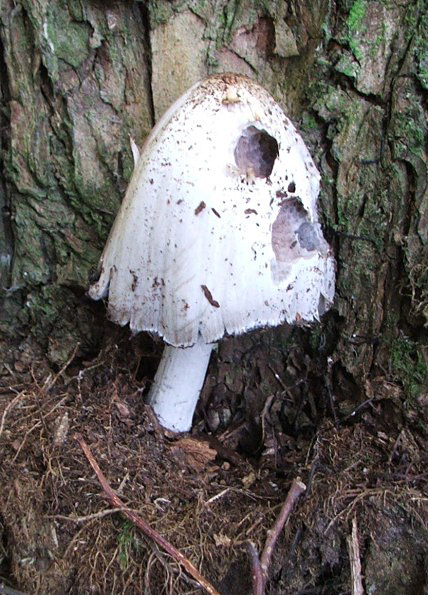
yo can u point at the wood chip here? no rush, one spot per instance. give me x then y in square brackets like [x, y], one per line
[197, 453]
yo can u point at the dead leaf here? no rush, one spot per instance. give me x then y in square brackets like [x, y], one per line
[16, 444]
[197, 453]
[249, 479]
[122, 409]
[222, 540]
[20, 367]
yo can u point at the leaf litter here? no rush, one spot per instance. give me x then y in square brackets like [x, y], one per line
[259, 425]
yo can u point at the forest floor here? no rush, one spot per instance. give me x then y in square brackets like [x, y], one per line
[264, 419]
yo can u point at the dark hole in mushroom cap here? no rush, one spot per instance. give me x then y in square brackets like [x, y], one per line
[256, 152]
[291, 187]
[322, 305]
[307, 236]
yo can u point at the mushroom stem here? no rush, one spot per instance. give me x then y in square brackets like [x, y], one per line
[177, 384]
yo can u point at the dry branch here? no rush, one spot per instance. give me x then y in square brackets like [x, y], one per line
[143, 525]
[354, 559]
[260, 566]
[297, 488]
[8, 407]
[257, 577]
[88, 517]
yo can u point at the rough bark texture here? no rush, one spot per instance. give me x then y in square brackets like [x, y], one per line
[79, 78]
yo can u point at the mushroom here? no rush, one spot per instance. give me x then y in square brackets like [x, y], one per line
[218, 233]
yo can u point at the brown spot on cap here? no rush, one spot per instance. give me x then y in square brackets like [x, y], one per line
[134, 280]
[200, 208]
[209, 296]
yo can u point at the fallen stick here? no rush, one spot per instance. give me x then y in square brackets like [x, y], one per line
[142, 524]
[256, 570]
[297, 488]
[88, 517]
[354, 560]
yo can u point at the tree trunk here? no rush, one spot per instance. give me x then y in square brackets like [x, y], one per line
[79, 79]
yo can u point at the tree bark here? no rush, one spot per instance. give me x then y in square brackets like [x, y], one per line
[79, 78]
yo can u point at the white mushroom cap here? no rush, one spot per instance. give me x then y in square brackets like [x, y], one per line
[218, 231]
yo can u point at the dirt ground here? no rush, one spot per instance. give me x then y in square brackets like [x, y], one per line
[270, 411]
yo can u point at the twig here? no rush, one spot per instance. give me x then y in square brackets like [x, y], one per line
[277, 378]
[297, 488]
[356, 496]
[8, 408]
[260, 566]
[354, 560]
[5, 590]
[358, 409]
[263, 416]
[256, 570]
[143, 525]
[5, 390]
[88, 517]
[50, 383]
[329, 386]
[217, 496]
[394, 448]
[295, 543]
[27, 433]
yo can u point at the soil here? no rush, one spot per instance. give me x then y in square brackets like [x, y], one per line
[271, 411]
